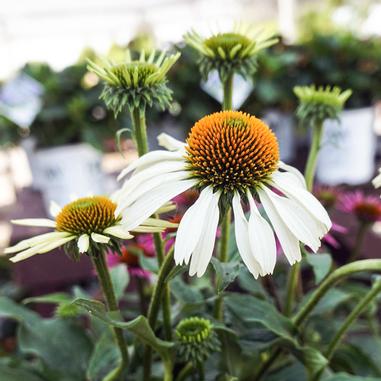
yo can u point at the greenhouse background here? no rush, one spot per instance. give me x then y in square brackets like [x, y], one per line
[59, 141]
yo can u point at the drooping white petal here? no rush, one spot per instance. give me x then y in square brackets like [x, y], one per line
[39, 239]
[118, 231]
[242, 237]
[149, 185]
[151, 201]
[83, 243]
[191, 225]
[294, 172]
[261, 238]
[289, 243]
[54, 209]
[169, 142]
[204, 249]
[300, 223]
[43, 222]
[158, 222]
[40, 249]
[100, 238]
[285, 182]
[149, 159]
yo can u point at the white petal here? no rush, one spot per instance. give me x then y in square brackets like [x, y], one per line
[54, 209]
[158, 222]
[152, 172]
[150, 158]
[170, 143]
[377, 181]
[39, 239]
[204, 248]
[151, 201]
[261, 238]
[132, 195]
[40, 249]
[242, 238]
[295, 172]
[100, 238]
[190, 227]
[83, 243]
[167, 207]
[285, 182]
[289, 243]
[301, 224]
[118, 231]
[44, 222]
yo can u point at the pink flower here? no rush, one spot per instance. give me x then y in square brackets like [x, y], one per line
[367, 209]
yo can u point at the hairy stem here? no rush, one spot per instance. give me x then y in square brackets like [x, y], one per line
[153, 309]
[100, 265]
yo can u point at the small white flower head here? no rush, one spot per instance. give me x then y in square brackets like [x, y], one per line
[86, 225]
[231, 52]
[136, 83]
[317, 104]
[231, 158]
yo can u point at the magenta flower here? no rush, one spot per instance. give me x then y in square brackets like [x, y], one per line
[367, 209]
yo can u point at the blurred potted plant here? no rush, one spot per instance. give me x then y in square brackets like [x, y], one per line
[348, 144]
[69, 132]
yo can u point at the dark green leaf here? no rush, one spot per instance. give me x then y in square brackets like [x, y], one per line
[8, 373]
[321, 265]
[349, 377]
[225, 273]
[120, 279]
[184, 293]
[311, 358]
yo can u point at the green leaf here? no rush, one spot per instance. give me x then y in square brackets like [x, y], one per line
[331, 300]
[184, 293]
[248, 283]
[349, 377]
[63, 346]
[148, 263]
[294, 372]
[16, 374]
[139, 326]
[120, 279]
[311, 358]
[321, 265]
[105, 360]
[225, 273]
[10, 309]
[253, 310]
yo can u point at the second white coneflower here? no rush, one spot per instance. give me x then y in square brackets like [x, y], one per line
[231, 157]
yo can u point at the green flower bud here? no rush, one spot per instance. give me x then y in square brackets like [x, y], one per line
[136, 83]
[196, 340]
[316, 104]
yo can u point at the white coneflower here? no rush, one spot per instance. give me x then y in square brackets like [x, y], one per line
[231, 157]
[87, 222]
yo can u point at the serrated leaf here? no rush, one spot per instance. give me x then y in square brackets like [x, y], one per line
[139, 326]
[226, 273]
[120, 279]
[321, 265]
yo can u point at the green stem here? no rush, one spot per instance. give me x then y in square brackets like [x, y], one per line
[140, 130]
[167, 323]
[360, 236]
[292, 286]
[100, 265]
[309, 173]
[326, 285]
[153, 309]
[185, 372]
[227, 103]
[225, 233]
[352, 317]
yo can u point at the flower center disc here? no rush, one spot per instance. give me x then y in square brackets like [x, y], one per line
[227, 41]
[139, 70]
[231, 150]
[86, 215]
